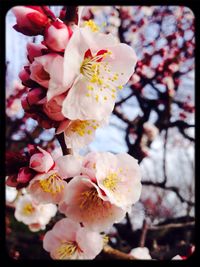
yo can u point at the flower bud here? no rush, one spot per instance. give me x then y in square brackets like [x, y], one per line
[57, 35]
[25, 175]
[53, 108]
[31, 20]
[34, 50]
[41, 162]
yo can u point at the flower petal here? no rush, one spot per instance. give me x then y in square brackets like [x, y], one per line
[83, 105]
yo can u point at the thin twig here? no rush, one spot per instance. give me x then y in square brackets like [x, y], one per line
[171, 225]
[61, 140]
[171, 188]
[144, 233]
[116, 254]
[164, 157]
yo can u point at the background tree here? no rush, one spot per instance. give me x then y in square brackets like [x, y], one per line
[153, 121]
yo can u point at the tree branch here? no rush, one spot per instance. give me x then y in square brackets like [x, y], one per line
[171, 188]
[61, 140]
[115, 254]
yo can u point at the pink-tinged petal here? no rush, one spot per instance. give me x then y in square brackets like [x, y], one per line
[120, 178]
[66, 229]
[68, 166]
[122, 61]
[84, 204]
[56, 86]
[73, 57]
[84, 104]
[38, 74]
[35, 227]
[80, 133]
[50, 241]
[97, 40]
[89, 165]
[91, 243]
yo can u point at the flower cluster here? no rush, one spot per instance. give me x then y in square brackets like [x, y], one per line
[72, 81]
[73, 75]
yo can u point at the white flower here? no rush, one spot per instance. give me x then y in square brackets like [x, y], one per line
[95, 67]
[30, 212]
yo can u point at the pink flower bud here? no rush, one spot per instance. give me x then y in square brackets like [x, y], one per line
[35, 95]
[53, 108]
[57, 35]
[31, 20]
[34, 50]
[41, 162]
[25, 175]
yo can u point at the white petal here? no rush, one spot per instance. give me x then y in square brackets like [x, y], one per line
[73, 57]
[79, 105]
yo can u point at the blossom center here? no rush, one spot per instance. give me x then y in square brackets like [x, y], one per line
[83, 127]
[28, 209]
[53, 184]
[66, 250]
[111, 181]
[102, 80]
[89, 199]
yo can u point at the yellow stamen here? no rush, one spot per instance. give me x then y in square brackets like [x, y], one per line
[66, 250]
[111, 181]
[28, 209]
[83, 127]
[99, 76]
[92, 25]
[90, 199]
[53, 184]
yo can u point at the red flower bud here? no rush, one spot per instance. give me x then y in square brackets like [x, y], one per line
[35, 50]
[25, 175]
[57, 35]
[31, 20]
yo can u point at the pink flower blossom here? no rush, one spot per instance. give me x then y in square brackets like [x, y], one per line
[86, 203]
[41, 162]
[118, 176]
[57, 35]
[68, 240]
[50, 186]
[95, 67]
[31, 20]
